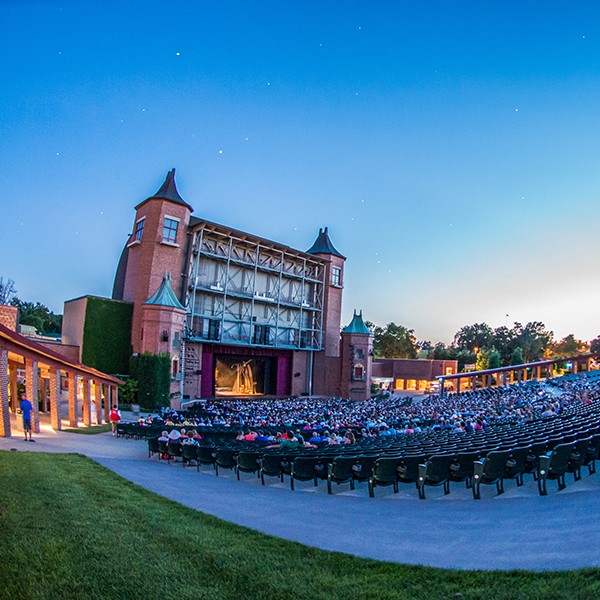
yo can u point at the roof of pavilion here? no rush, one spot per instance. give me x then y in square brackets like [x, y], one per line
[19, 344]
[541, 363]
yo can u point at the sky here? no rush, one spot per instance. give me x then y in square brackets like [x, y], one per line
[452, 148]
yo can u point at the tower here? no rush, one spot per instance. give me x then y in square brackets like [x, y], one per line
[155, 246]
[161, 330]
[326, 363]
[356, 360]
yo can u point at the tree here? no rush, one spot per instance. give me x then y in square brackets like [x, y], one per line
[595, 345]
[480, 335]
[533, 339]
[37, 315]
[394, 341]
[7, 290]
[568, 346]
[517, 356]
[483, 360]
[493, 359]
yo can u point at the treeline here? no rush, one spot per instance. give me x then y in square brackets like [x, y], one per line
[34, 314]
[480, 345]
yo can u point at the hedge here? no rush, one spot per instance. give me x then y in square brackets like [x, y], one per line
[106, 344]
[153, 374]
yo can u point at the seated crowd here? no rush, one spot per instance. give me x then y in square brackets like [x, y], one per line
[481, 424]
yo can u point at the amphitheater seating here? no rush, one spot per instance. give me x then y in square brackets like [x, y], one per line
[504, 451]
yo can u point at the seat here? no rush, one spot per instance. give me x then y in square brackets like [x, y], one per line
[436, 471]
[592, 453]
[153, 447]
[226, 459]
[408, 469]
[461, 468]
[555, 467]
[270, 465]
[205, 455]
[189, 453]
[515, 464]
[577, 457]
[490, 471]
[363, 468]
[163, 449]
[173, 450]
[385, 472]
[303, 469]
[248, 462]
[340, 471]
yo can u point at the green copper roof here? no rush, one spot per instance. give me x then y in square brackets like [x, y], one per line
[358, 325]
[323, 245]
[164, 295]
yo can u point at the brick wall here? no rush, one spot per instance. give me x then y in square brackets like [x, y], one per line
[9, 316]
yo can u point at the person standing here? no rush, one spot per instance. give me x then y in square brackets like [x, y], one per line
[115, 417]
[26, 409]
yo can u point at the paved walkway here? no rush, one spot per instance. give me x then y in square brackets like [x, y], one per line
[519, 529]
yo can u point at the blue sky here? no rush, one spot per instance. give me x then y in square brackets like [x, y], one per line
[451, 148]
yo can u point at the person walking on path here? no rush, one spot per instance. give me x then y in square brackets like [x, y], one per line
[115, 417]
[26, 409]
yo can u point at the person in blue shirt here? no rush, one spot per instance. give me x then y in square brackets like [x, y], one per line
[26, 409]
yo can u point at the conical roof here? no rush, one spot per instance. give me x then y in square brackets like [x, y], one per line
[168, 191]
[164, 295]
[357, 325]
[323, 245]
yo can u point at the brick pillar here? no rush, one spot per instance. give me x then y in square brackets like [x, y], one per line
[72, 399]
[55, 399]
[12, 380]
[87, 405]
[4, 380]
[575, 365]
[32, 387]
[98, 401]
[107, 406]
[115, 395]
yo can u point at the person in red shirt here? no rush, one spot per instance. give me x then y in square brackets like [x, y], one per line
[115, 417]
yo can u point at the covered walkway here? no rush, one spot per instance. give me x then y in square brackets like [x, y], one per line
[46, 375]
[535, 371]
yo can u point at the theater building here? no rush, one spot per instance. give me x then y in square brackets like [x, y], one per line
[239, 314]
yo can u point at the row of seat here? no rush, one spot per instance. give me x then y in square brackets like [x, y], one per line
[544, 460]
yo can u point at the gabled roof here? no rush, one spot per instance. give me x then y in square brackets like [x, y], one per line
[164, 295]
[357, 325]
[323, 245]
[15, 342]
[168, 191]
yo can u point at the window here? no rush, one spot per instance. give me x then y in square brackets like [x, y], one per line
[165, 335]
[170, 230]
[359, 353]
[176, 339]
[336, 276]
[139, 229]
[358, 373]
[175, 366]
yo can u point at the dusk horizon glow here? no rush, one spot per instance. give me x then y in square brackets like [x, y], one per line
[452, 151]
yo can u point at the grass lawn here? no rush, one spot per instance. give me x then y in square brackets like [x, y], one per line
[90, 430]
[70, 528]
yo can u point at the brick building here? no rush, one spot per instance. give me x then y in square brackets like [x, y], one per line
[239, 314]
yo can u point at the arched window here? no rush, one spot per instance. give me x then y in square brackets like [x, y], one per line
[175, 366]
[359, 372]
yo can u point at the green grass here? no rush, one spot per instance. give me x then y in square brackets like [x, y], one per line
[90, 430]
[70, 528]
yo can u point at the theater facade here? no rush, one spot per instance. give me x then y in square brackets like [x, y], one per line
[240, 315]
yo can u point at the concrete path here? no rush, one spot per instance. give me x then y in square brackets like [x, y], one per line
[519, 529]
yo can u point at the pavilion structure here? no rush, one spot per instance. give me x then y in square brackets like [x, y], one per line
[535, 371]
[44, 370]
